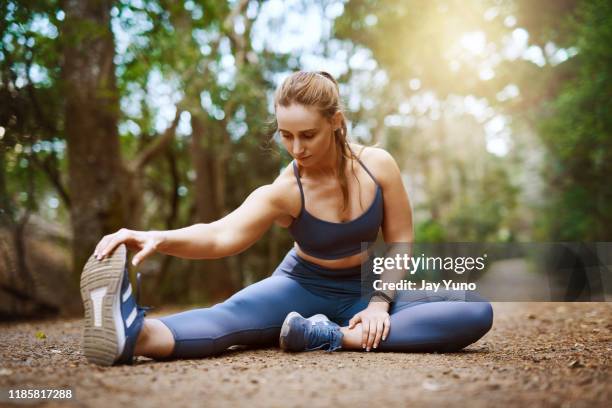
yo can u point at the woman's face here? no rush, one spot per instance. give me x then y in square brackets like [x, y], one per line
[306, 134]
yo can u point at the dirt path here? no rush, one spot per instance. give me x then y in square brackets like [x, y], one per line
[537, 354]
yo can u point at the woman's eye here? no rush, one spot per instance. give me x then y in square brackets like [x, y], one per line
[285, 135]
[309, 136]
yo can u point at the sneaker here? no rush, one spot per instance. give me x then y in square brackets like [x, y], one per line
[113, 318]
[314, 333]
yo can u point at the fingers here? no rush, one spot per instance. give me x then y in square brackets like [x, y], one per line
[387, 327]
[379, 331]
[371, 335]
[146, 251]
[108, 244]
[365, 331]
[101, 244]
[353, 322]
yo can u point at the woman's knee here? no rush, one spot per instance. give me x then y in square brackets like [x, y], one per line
[477, 320]
[481, 317]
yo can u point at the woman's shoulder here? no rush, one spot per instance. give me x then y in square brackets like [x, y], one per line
[286, 177]
[379, 161]
[370, 152]
[285, 190]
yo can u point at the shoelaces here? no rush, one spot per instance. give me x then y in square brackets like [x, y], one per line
[328, 334]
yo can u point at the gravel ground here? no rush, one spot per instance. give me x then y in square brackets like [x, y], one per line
[537, 354]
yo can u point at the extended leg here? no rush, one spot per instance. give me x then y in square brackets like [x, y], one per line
[252, 316]
[155, 340]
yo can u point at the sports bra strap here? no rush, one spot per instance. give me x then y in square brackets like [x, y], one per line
[297, 176]
[364, 167]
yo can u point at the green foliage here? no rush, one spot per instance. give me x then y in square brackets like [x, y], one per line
[31, 105]
[182, 44]
[566, 103]
[466, 193]
[577, 129]
[429, 231]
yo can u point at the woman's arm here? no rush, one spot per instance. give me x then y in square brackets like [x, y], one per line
[231, 234]
[228, 236]
[397, 222]
[397, 228]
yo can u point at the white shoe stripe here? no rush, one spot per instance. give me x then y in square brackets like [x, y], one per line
[131, 318]
[127, 293]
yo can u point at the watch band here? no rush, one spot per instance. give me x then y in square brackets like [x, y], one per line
[382, 295]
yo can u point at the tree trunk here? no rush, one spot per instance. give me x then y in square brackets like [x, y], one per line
[214, 275]
[6, 205]
[96, 175]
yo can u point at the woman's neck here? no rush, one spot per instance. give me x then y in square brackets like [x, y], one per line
[327, 167]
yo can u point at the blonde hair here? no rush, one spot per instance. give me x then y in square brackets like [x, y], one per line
[320, 89]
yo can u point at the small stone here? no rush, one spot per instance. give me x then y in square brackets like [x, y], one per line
[5, 371]
[575, 364]
[430, 385]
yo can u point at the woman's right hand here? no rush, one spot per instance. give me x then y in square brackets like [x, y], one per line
[145, 242]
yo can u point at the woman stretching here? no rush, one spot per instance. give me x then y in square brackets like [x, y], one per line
[332, 197]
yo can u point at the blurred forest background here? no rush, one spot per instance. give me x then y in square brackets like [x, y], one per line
[157, 115]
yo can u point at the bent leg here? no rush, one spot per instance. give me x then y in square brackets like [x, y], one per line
[438, 326]
[425, 322]
[253, 316]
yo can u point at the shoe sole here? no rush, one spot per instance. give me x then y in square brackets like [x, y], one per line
[285, 330]
[100, 286]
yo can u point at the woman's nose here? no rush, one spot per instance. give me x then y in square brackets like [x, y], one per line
[297, 147]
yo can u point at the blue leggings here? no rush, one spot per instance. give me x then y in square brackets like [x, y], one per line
[440, 321]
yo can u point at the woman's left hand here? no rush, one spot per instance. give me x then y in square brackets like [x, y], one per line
[375, 324]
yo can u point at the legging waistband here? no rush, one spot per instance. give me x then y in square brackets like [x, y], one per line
[292, 259]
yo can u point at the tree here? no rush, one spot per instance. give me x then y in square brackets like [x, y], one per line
[99, 193]
[577, 129]
[82, 129]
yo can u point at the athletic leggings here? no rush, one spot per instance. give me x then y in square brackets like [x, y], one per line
[420, 320]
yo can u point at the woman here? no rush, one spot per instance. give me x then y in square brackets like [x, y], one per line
[331, 200]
